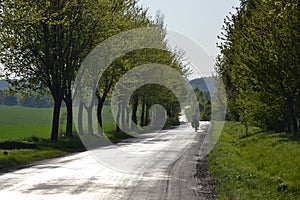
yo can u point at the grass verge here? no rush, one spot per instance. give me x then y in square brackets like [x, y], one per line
[264, 165]
[40, 149]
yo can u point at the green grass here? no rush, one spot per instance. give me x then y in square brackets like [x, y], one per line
[21, 122]
[43, 149]
[22, 116]
[25, 156]
[17, 122]
[264, 165]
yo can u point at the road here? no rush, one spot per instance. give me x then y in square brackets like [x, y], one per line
[167, 173]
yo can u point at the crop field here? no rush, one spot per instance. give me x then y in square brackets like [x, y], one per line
[22, 122]
[18, 122]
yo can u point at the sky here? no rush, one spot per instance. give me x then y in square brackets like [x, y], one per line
[200, 21]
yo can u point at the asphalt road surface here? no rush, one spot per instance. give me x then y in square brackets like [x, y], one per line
[168, 172]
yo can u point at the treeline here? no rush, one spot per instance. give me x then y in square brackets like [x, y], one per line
[43, 43]
[204, 104]
[260, 64]
[26, 100]
[143, 98]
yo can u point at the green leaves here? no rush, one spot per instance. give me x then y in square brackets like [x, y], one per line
[260, 58]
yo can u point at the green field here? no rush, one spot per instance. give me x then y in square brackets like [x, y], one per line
[264, 165]
[18, 122]
[22, 122]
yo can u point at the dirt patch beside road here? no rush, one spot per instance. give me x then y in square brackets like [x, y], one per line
[206, 183]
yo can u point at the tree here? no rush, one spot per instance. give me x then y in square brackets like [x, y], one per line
[204, 102]
[122, 16]
[43, 43]
[10, 100]
[113, 66]
[152, 94]
[259, 64]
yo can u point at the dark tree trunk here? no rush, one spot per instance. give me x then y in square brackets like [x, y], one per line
[101, 100]
[55, 120]
[143, 113]
[287, 126]
[99, 115]
[169, 113]
[118, 118]
[126, 118]
[147, 115]
[293, 117]
[80, 112]
[69, 127]
[99, 112]
[135, 104]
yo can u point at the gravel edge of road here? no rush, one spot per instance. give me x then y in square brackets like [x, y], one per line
[192, 164]
[206, 185]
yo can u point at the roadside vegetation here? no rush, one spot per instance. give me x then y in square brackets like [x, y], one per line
[42, 47]
[24, 135]
[18, 153]
[260, 64]
[257, 155]
[44, 44]
[262, 165]
[17, 122]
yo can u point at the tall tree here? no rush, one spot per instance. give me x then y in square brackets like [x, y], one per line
[43, 43]
[259, 64]
[129, 15]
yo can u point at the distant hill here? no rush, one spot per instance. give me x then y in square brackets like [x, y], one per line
[3, 84]
[205, 84]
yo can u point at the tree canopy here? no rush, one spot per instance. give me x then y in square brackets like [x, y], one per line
[43, 44]
[260, 64]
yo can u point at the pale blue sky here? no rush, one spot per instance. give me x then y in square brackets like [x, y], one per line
[199, 20]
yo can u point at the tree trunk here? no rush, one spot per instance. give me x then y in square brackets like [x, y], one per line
[288, 123]
[147, 115]
[169, 113]
[293, 117]
[123, 126]
[90, 119]
[135, 104]
[80, 111]
[69, 127]
[89, 110]
[126, 118]
[118, 118]
[143, 113]
[101, 100]
[99, 115]
[55, 120]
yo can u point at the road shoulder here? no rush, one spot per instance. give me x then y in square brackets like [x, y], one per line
[206, 184]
